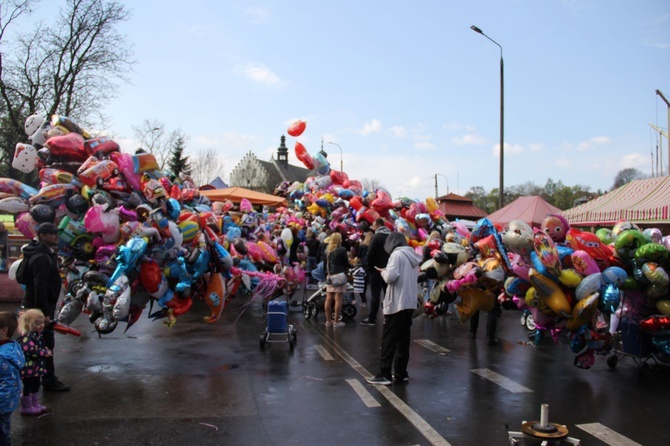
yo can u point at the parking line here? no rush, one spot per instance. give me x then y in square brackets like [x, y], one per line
[363, 394]
[324, 353]
[501, 381]
[419, 423]
[607, 435]
[430, 345]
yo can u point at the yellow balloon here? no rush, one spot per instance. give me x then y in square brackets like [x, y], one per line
[551, 294]
[431, 204]
[583, 312]
[473, 300]
[570, 278]
[663, 306]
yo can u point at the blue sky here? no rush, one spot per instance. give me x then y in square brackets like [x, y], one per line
[406, 88]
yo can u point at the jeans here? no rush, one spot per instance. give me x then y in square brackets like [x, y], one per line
[5, 428]
[377, 287]
[395, 344]
[311, 266]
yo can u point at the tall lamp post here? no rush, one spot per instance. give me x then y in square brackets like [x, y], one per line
[502, 117]
[338, 146]
[436, 194]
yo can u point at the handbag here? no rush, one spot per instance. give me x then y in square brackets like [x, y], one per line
[335, 279]
[338, 279]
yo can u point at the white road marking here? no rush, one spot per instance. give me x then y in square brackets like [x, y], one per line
[324, 353]
[430, 345]
[607, 435]
[363, 394]
[501, 381]
[419, 423]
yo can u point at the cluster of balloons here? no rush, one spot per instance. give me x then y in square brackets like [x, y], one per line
[569, 280]
[129, 233]
[333, 199]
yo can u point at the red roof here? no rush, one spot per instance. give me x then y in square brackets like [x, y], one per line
[640, 201]
[455, 206]
[532, 210]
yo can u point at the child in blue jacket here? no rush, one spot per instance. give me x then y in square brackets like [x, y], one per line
[11, 363]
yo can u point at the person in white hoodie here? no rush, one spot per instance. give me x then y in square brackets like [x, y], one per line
[401, 274]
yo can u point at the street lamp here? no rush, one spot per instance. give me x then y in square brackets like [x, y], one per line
[436, 194]
[338, 146]
[502, 116]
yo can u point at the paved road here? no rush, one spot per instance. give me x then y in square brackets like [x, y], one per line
[212, 384]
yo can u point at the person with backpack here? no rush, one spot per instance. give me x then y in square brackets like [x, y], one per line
[40, 274]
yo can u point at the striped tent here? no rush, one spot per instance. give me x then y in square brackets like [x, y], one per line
[645, 202]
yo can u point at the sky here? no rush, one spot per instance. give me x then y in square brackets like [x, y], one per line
[405, 88]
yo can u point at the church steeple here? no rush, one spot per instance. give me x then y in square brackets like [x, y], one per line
[282, 151]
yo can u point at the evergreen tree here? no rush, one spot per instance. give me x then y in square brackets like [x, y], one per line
[178, 162]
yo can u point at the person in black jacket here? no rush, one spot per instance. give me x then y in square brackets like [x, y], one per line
[376, 257]
[337, 262]
[43, 290]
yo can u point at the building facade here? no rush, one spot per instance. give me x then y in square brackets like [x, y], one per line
[264, 176]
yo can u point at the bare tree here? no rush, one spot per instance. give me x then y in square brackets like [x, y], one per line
[70, 67]
[370, 185]
[626, 176]
[205, 166]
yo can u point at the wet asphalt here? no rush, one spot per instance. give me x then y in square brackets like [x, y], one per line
[213, 385]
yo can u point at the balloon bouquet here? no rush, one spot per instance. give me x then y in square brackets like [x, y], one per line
[130, 235]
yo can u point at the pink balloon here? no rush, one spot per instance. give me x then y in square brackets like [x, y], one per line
[26, 225]
[245, 205]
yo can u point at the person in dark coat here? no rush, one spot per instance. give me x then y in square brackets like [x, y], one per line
[43, 290]
[376, 260]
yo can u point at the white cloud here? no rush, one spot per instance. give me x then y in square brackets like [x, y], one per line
[563, 162]
[458, 126]
[374, 126]
[536, 147]
[257, 15]
[636, 160]
[260, 74]
[470, 139]
[398, 131]
[510, 149]
[592, 142]
[424, 145]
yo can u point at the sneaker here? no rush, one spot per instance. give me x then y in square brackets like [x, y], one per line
[401, 379]
[338, 324]
[379, 380]
[328, 324]
[364, 305]
[493, 341]
[367, 322]
[55, 386]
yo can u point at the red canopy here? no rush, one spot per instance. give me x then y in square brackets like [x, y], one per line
[532, 210]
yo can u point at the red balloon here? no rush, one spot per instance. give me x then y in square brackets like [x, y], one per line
[297, 128]
[302, 154]
[338, 177]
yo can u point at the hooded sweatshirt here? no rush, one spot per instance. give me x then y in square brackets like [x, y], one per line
[11, 363]
[43, 291]
[401, 274]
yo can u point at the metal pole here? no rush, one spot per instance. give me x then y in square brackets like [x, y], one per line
[501, 192]
[338, 146]
[658, 92]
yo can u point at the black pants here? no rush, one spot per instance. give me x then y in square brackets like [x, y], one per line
[491, 321]
[377, 287]
[49, 342]
[31, 385]
[395, 344]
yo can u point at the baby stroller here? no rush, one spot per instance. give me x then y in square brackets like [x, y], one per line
[315, 302]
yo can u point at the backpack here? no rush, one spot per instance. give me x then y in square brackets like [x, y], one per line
[23, 274]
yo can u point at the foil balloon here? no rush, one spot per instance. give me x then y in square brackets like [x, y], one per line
[472, 300]
[296, 128]
[655, 274]
[605, 235]
[610, 297]
[583, 263]
[589, 285]
[589, 242]
[245, 205]
[25, 158]
[551, 294]
[518, 237]
[651, 252]
[13, 205]
[321, 164]
[215, 297]
[583, 313]
[556, 227]
[653, 235]
[547, 253]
